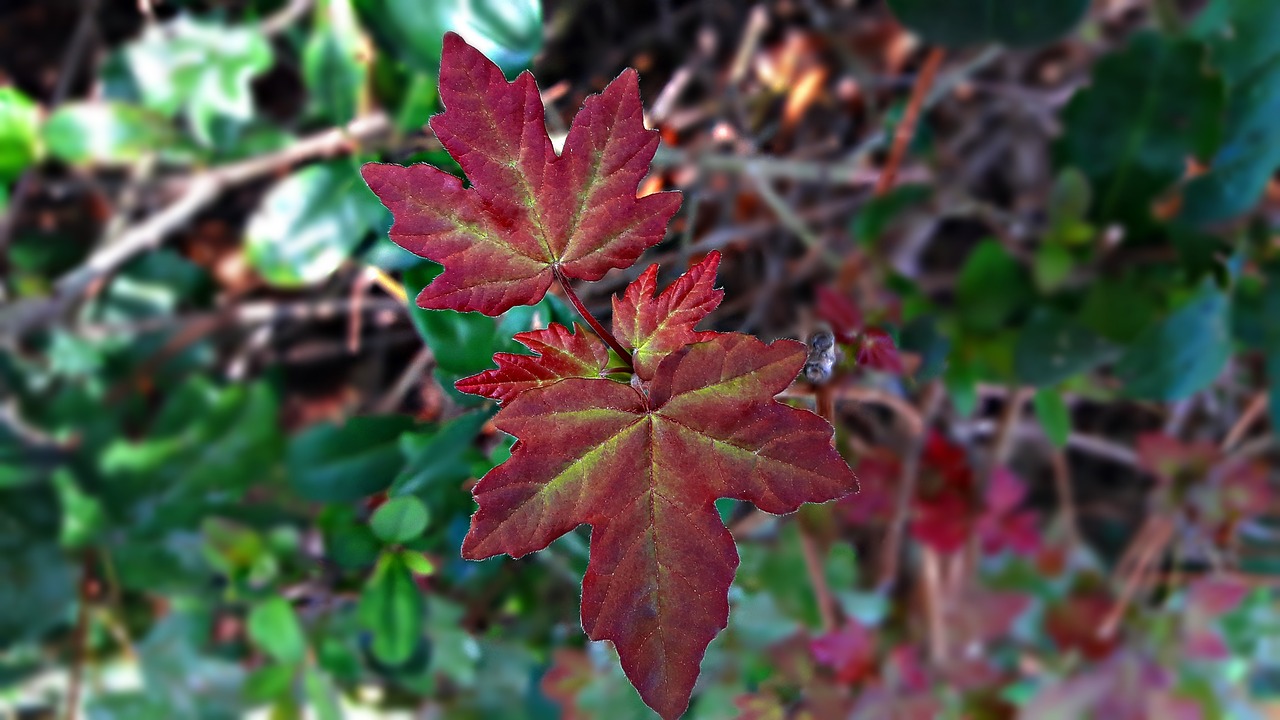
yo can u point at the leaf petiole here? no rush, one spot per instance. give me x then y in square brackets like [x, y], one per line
[595, 324]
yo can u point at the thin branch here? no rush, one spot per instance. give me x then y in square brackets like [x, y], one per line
[907, 126]
[283, 18]
[599, 329]
[818, 580]
[200, 192]
[1141, 557]
[1066, 498]
[907, 488]
[79, 641]
[1255, 408]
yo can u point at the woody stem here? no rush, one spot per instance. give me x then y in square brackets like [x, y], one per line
[595, 325]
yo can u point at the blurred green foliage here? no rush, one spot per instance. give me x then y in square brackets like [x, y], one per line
[171, 519]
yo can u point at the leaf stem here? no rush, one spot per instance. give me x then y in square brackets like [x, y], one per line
[907, 126]
[599, 329]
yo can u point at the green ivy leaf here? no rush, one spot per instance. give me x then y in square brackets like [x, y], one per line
[399, 519]
[19, 133]
[1247, 51]
[1018, 23]
[1149, 107]
[330, 463]
[509, 32]
[1053, 347]
[273, 625]
[202, 69]
[309, 224]
[331, 62]
[111, 134]
[1180, 355]
[392, 609]
[992, 287]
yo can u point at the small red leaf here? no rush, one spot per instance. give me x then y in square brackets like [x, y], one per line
[1005, 492]
[877, 351]
[644, 469]
[654, 328]
[839, 312]
[1169, 458]
[569, 674]
[1215, 596]
[850, 651]
[560, 355]
[528, 210]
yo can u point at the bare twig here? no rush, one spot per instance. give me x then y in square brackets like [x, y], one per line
[79, 640]
[1255, 408]
[1066, 498]
[818, 580]
[907, 488]
[1140, 558]
[200, 191]
[284, 17]
[410, 378]
[907, 127]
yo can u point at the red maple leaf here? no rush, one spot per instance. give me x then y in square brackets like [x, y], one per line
[643, 463]
[654, 328]
[872, 347]
[529, 213]
[560, 355]
[850, 651]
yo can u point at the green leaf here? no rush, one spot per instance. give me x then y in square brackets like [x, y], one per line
[1052, 266]
[322, 696]
[509, 32]
[331, 63]
[1019, 23]
[37, 586]
[392, 609]
[992, 287]
[418, 104]
[1053, 414]
[1053, 347]
[922, 336]
[440, 458]
[347, 541]
[1180, 355]
[309, 224]
[417, 563]
[274, 626]
[19, 133]
[111, 134]
[1247, 50]
[456, 653]
[329, 463]
[1149, 107]
[1117, 309]
[880, 212]
[399, 519]
[202, 69]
